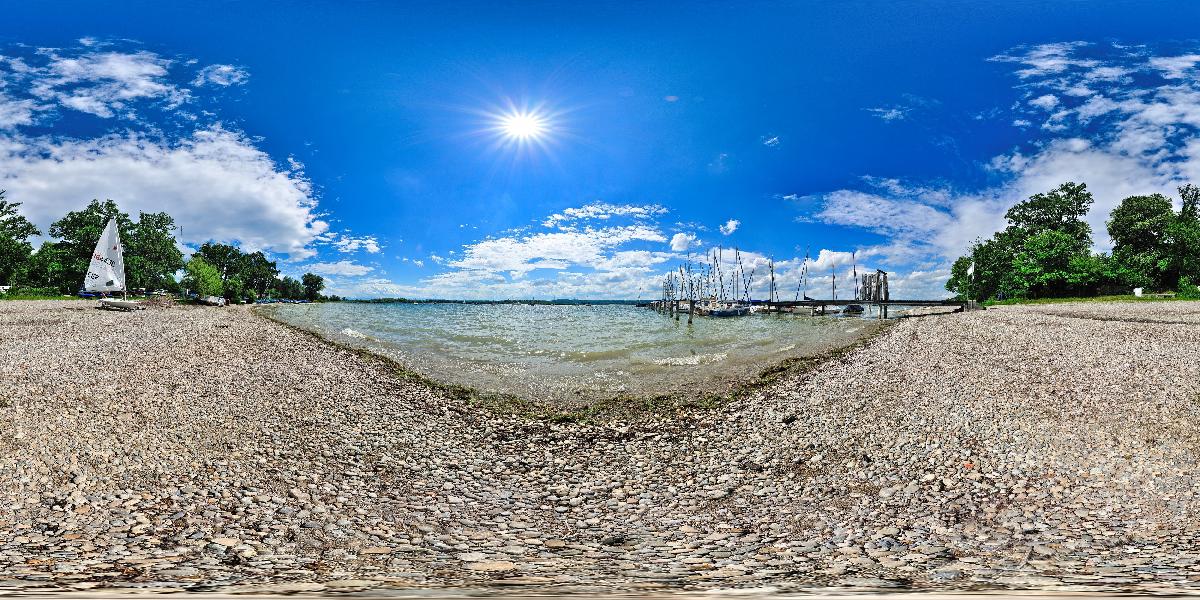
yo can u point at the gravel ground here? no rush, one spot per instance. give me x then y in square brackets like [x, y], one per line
[1024, 446]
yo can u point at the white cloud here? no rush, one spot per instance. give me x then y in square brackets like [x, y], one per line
[1175, 67]
[216, 184]
[518, 256]
[680, 242]
[730, 226]
[348, 244]
[601, 211]
[104, 83]
[222, 75]
[15, 113]
[1046, 59]
[341, 267]
[894, 113]
[1045, 102]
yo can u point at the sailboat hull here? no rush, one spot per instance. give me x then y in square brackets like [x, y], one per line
[114, 304]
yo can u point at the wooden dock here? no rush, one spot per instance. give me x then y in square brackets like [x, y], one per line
[816, 306]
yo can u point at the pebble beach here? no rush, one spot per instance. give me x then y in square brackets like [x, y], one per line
[1050, 447]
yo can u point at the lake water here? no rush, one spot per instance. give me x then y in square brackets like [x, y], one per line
[564, 353]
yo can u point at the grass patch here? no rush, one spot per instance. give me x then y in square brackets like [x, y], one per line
[1125, 298]
[37, 297]
[618, 408]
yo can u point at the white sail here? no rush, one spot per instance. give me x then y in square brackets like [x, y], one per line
[106, 273]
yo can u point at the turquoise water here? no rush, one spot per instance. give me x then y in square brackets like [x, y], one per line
[556, 353]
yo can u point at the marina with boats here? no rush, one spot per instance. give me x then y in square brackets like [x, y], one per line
[709, 292]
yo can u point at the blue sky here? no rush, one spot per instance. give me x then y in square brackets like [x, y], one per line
[361, 141]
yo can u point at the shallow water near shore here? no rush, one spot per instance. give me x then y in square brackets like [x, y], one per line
[563, 353]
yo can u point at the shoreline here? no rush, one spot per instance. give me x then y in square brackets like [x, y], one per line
[610, 408]
[1007, 449]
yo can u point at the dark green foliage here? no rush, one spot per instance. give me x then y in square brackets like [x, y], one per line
[243, 275]
[313, 284]
[151, 255]
[288, 287]
[1188, 289]
[44, 268]
[1141, 228]
[15, 249]
[1044, 251]
[1061, 210]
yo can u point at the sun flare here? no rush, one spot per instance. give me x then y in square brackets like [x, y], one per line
[523, 126]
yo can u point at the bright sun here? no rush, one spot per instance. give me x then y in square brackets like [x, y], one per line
[523, 126]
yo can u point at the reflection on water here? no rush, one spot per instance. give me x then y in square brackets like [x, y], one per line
[572, 352]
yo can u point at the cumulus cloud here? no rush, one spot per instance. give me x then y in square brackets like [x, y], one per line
[222, 75]
[341, 267]
[518, 255]
[1045, 101]
[216, 184]
[680, 242]
[730, 226]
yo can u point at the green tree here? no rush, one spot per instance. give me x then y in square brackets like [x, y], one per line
[202, 278]
[15, 249]
[235, 289]
[290, 288]
[313, 284]
[1185, 236]
[1062, 210]
[1051, 263]
[44, 268]
[152, 256]
[1141, 228]
[258, 273]
[225, 258]
[1044, 251]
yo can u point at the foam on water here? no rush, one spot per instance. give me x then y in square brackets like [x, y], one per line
[573, 352]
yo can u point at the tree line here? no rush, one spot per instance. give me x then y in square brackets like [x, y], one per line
[152, 257]
[1045, 251]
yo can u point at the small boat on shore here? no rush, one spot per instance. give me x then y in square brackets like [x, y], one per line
[106, 272]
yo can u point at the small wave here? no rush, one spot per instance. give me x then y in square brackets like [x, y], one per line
[355, 334]
[695, 359]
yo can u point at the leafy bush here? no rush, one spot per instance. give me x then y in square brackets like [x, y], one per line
[31, 292]
[1187, 289]
[202, 278]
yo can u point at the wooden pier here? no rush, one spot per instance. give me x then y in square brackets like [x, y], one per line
[816, 307]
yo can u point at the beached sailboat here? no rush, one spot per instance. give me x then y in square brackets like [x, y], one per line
[106, 272]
